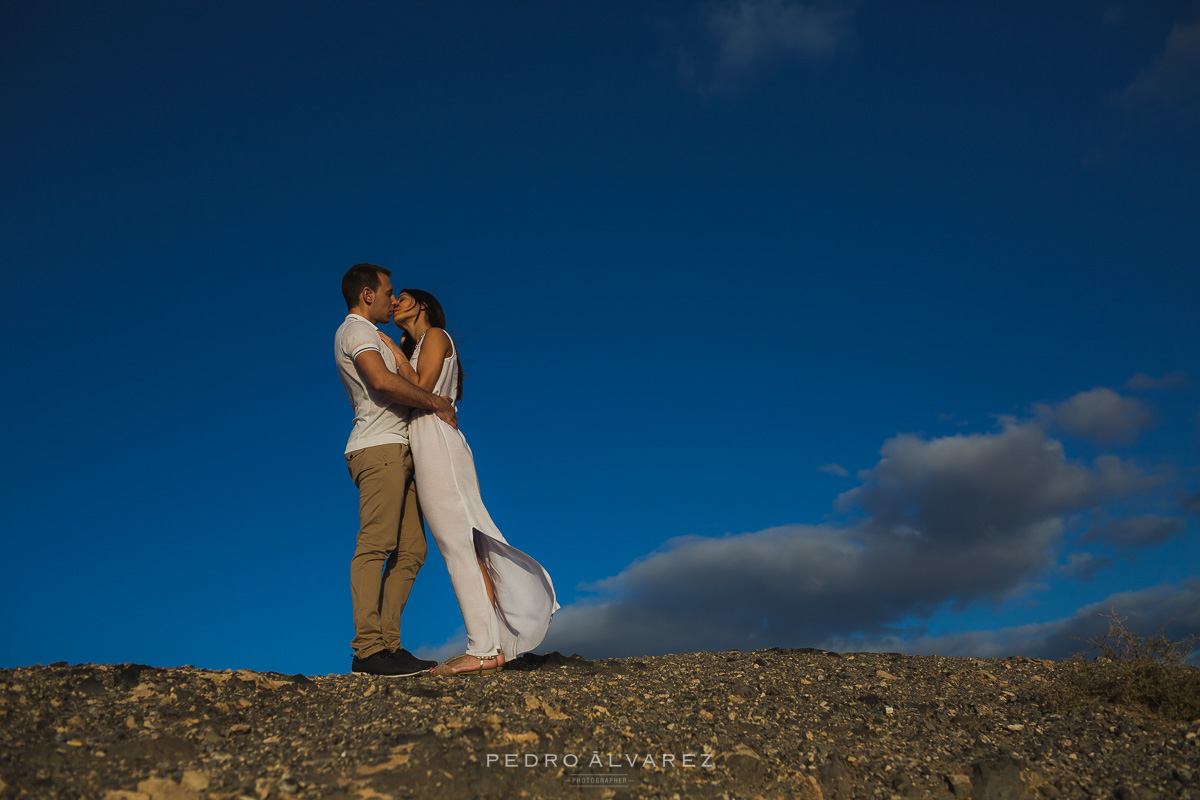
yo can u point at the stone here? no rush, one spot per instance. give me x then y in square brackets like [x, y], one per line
[836, 779]
[744, 764]
[194, 780]
[166, 789]
[1133, 792]
[999, 780]
[959, 784]
[288, 784]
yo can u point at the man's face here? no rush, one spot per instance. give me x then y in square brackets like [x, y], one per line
[380, 301]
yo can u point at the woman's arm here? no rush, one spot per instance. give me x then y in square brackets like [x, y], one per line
[429, 366]
[434, 350]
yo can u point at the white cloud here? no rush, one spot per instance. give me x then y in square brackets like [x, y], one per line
[1084, 566]
[957, 488]
[752, 35]
[834, 469]
[455, 645]
[1174, 79]
[1143, 382]
[1175, 607]
[1143, 531]
[957, 520]
[1099, 414]
[1190, 503]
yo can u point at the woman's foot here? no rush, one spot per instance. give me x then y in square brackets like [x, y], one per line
[467, 664]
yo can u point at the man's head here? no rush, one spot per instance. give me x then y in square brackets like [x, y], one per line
[367, 289]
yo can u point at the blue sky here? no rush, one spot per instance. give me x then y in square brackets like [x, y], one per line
[848, 325]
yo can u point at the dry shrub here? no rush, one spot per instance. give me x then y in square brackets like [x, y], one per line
[1151, 672]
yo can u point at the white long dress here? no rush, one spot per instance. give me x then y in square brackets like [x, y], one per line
[448, 489]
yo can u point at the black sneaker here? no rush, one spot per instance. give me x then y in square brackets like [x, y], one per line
[410, 664]
[380, 663]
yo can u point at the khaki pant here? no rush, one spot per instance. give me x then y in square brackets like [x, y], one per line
[391, 544]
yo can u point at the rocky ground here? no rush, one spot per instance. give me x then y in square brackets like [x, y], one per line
[773, 724]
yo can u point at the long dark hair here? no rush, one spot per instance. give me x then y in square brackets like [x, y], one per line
[436, 318]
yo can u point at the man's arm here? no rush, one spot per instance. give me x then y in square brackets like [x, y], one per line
[379, 378]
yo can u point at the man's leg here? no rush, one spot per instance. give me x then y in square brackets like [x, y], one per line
[403, 565]
[380, 474]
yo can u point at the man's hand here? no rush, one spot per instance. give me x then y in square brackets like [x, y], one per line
[379, 378]
[445, 412]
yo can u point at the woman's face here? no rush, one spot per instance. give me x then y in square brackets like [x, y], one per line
[406, 309]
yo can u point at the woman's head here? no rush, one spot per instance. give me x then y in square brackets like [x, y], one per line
[414, 306]
[417, 305]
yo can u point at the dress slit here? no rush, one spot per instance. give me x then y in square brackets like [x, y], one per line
[464, 532]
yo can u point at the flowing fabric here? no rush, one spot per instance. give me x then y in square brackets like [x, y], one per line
[463, 530]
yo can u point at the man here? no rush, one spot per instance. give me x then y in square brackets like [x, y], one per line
[391, 537]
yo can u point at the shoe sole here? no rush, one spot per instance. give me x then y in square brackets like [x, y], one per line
[470, 673]
[394, 675]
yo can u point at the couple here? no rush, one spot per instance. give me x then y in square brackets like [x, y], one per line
[506, 597]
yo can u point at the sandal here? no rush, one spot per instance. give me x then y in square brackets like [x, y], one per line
[487, 666]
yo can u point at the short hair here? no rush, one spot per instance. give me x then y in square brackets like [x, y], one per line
[359, 277]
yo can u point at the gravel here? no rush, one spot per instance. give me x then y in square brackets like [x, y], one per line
[772, 723]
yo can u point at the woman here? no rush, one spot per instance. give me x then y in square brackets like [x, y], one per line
[506, 598]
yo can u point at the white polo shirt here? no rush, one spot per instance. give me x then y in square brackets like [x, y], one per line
[377, 419]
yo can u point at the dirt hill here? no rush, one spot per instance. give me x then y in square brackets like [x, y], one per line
[773, 724]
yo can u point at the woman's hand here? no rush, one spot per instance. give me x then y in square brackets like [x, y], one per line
[395, 348]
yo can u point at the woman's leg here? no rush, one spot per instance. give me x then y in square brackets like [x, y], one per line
[487, 581]
[449, 498]
[475, 661]
[470, 589]
[491, 594]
